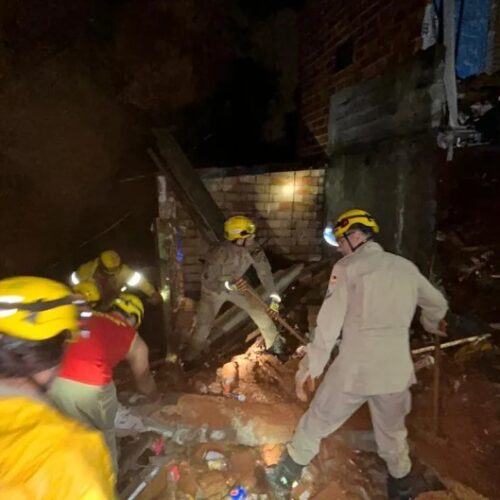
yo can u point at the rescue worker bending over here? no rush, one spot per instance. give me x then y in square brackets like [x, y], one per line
[229, 261]
[84, 388]
[112, 277]
[372, 297]
[42, 453]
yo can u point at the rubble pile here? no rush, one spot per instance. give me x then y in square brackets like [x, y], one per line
[479, 109]
[233, 424]
[467, 259]
[223, 424]
[229, 423]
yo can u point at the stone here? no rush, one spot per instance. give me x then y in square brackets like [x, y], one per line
[242, 461]
[271, 453]
[213, 484]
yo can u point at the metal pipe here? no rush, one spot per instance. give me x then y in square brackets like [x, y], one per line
[452, 343]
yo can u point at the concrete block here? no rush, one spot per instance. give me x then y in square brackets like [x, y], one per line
[276, 189]
[262, 188]
[306, 224]
[265, 199]
[247, 179]
[315, 190]
[263, 179]
[229, 183]
[228, 209]
[288, 240]
[278, 197]
[245, 189]
[308, 215]
[213, 184]
[281, 175]
[218, 196]
[304, 235]
[280, 250]
[277, 224]
[232, 197]
[265, 207]
[308, 249]
[303, 173]
[283, 179]
[285, 206]
[283, 232]
[283, 215]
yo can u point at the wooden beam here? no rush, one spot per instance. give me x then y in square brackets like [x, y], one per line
[191, 189]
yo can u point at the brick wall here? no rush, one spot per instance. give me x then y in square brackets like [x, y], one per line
[385, 33]
[286, 206]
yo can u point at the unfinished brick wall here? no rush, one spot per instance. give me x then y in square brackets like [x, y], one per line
[286, 206]
[384, 33]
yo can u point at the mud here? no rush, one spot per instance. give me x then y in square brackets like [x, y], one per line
[464, 458]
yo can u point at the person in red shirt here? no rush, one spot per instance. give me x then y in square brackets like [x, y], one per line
[84, 388]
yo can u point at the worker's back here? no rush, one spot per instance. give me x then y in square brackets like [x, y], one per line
[44, 455]
[91, 359]
[383, 292]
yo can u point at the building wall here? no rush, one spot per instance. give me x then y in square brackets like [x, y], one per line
[288, 208]
[385, 33]
[383, 152]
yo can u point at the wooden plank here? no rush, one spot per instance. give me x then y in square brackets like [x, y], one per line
[193, 193]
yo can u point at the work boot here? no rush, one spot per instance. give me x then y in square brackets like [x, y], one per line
[419, 480]
[281, 477]
[278, 349]
[403, 488]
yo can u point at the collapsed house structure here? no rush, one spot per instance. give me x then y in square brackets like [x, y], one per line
[380, 128]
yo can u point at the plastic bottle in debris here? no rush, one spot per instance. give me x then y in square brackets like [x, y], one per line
[215, 460]
[173, 477]
[238, 493]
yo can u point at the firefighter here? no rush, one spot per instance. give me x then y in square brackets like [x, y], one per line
[222, 278]
[372, 297]
[42, 453]
[113, 277]
[84, 388]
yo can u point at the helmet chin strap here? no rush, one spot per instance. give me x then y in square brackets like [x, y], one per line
[354, 248]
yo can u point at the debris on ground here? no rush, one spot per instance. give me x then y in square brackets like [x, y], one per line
[225, 422]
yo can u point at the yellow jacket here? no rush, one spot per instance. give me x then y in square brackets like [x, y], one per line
[44, 455]
[87, 271]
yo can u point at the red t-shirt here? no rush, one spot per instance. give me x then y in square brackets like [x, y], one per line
[91, 360]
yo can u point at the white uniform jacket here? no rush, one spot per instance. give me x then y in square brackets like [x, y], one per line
[371, 298]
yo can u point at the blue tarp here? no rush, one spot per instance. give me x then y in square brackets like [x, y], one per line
[472, 49]
[472, 18]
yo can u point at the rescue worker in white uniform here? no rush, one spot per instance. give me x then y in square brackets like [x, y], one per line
[371, 298]
[227, 264]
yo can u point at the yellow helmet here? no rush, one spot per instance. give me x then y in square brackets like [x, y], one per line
[352, 217]
[130, 305]
[89, 290]
[36, 309]
[238, 227]
[110, 261]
